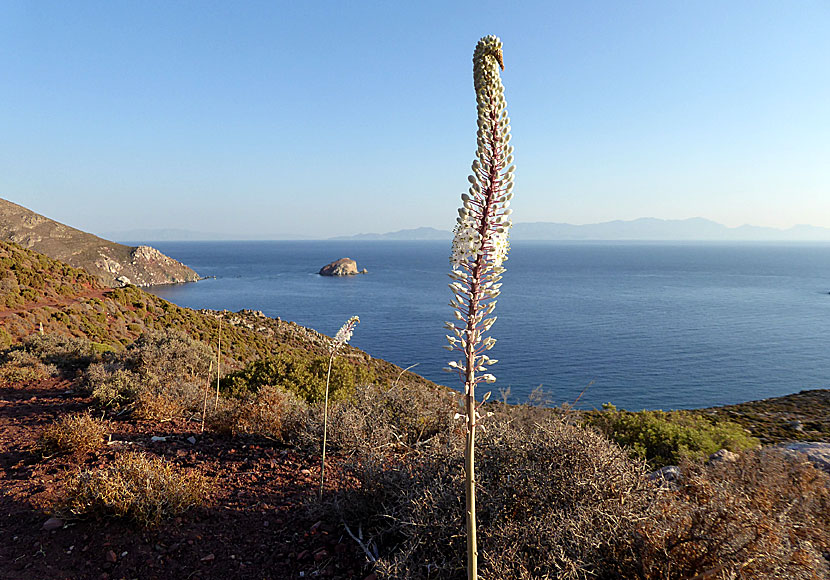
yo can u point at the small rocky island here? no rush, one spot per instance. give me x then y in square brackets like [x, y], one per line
[341, 267]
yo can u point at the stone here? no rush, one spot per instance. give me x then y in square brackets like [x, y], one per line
[52, 524]
[156, 438]
[191, 440]
[112, 557]
[123, 281]
[341, 267]
[209, 558]
[723, 455]
[817, 452]
[667, 474]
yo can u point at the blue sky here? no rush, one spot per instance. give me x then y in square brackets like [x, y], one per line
[310, 119]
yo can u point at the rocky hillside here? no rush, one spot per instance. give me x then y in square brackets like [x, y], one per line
[116, 264]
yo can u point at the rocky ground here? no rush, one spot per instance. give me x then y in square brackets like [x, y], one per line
[258, 522]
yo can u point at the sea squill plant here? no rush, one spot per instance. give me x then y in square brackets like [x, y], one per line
[479, 248]
[342, 337]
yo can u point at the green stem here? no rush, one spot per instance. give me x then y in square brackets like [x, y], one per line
[325, 426]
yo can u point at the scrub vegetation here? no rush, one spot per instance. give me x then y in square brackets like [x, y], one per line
[561, 493]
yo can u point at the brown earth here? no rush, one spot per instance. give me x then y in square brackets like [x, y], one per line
[259, 521]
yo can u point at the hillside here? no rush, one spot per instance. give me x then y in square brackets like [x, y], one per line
[118, 459]
[141, 265]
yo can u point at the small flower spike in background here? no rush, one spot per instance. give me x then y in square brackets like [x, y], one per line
[479, 248]
[343, 336]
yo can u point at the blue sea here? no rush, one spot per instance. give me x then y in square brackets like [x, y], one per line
[646, 325]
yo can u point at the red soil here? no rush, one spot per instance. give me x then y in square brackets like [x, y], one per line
[258, 523]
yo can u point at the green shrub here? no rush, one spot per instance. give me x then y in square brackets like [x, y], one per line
[112, 386]
[303, 376]
[18, 366]
[666, 438]
[68, 353]
[135, 486]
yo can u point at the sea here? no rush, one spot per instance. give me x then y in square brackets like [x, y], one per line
[640, 325]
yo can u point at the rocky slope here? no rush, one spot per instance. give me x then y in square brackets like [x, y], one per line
[115, 264]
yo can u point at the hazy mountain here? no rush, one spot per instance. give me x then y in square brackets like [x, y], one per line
[110, 261]
[412, 234]
[670, 230]
[654, 229]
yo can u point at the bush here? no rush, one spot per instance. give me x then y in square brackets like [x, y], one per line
[77, 434]
[135, 486]
[765, 515]
[305, 377]
[271, 412]
[19, 366]
[161, 375]
[380, 417]
[554, 501]
[112, 386]
[67, 353]
[666, 438]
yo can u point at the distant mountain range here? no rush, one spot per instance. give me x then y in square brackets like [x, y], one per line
[643, 229]
[413, 234]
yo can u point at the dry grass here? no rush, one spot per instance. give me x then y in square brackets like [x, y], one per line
[765, 515]
[135, 486]
[554, 501]
[272, 412]
[76, 434]
[405, 416]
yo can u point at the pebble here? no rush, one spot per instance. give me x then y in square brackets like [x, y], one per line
[52, 524]
[156, 438]
[112, 557]
[191, 440]
[209, 558]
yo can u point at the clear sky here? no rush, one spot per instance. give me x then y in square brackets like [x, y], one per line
[311, 119]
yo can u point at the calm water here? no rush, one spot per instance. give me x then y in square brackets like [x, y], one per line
[651, 325]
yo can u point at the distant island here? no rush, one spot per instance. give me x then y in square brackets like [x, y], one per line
[642, 229]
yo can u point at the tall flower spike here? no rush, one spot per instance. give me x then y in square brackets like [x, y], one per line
[479, 249]
[343, 336]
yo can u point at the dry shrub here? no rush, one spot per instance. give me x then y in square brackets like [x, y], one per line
[554, 501]
[765, 515]
[111, 385]
[134, 486]
[271, 412]
[76, 434]
[20, 366]
[67, 353]
[174, 400]
[378, 417]
[161, 375]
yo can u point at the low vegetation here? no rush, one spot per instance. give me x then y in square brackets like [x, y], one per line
[75, 434]
[135, 486]
[562, 494]
[666, 438]
[766, 514]
[302, 374]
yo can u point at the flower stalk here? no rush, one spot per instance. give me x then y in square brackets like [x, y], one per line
[479, 248]
[342, 337]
